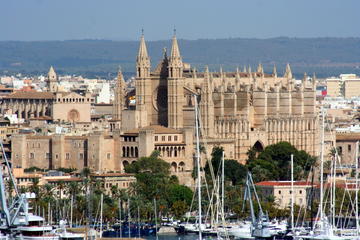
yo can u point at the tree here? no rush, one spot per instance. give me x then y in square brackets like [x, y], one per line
[274, 162]
[179, 208]
[178, 192]
[234, 171]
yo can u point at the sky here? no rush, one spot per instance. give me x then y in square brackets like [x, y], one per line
[29, 20]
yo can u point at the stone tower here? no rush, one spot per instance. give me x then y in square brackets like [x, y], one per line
[143, 85]
[119, 97]
[207, 105]
[175, 87]
[52, 80]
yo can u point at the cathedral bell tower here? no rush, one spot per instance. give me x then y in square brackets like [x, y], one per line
[52, 80]
[119, 98]
[175, 87]
[143, 85]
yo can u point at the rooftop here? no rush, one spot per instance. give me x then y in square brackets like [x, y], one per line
[30, 95]
[283, 183]
[156, 128]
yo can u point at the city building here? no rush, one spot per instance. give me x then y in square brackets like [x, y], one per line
[346, 144]
[346, 85]
[59, 106]
[280, 192]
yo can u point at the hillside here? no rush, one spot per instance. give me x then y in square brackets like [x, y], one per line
[325, 56]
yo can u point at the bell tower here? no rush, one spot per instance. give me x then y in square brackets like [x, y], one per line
[52, 80]
[175, 87]
[143, 85]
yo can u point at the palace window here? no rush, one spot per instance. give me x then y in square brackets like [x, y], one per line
[67, 156]
[156, 138]
[108, 155]
[81, 156]
[169, 138]
[32, 155]
[163, 138]
[175, 138]
[349, 147]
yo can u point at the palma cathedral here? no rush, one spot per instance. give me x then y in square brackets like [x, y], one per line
[238, 110]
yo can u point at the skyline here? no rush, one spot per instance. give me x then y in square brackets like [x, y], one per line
[42, 20]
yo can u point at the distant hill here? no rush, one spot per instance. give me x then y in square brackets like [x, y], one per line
[325, 56]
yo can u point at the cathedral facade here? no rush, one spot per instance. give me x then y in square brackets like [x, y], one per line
[239, 110]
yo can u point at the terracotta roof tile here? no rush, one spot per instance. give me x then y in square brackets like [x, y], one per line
[282, 183]
[30, 95]
[156, 128]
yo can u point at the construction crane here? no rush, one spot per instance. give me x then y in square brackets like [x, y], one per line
[14, 213]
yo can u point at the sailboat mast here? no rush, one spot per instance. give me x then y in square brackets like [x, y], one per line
[101, 214]
[71, 210]
[198, 164]
[222, 184]
[322, 164]
[357, 185]
[292, 192]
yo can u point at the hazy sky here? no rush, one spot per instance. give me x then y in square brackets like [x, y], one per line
[193, 19]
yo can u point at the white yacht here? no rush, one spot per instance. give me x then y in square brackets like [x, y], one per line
[66, 235]
[36, 230]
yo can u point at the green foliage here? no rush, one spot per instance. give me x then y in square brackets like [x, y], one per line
[274, 162]
[66, 170]
[153, 181]
[179, 208]
[152, 165]
[34, 169]
[178, 192]
[234, 171]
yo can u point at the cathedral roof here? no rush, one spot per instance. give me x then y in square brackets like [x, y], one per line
[158, 129]
[226, 74]
[31, 95]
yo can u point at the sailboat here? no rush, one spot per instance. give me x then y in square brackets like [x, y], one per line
[323, 229]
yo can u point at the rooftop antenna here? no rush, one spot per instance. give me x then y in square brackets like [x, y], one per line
[142, 31]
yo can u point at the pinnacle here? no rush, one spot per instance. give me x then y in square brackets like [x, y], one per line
[120, 75]
[52, 73]
[175, 52]
[143, 54]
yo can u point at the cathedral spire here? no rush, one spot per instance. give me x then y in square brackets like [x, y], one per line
[118, 105]
[206, 75]
[175, 52]
[175, 63]
[288, 73]
[120, 78]
[237, 79]
[260, 69]
[274, 71]
[142, 54]
[314, 81]
[142, 60]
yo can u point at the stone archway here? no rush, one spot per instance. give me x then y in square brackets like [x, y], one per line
[258, 146]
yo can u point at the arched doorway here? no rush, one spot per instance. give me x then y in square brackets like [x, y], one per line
[258, 146]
